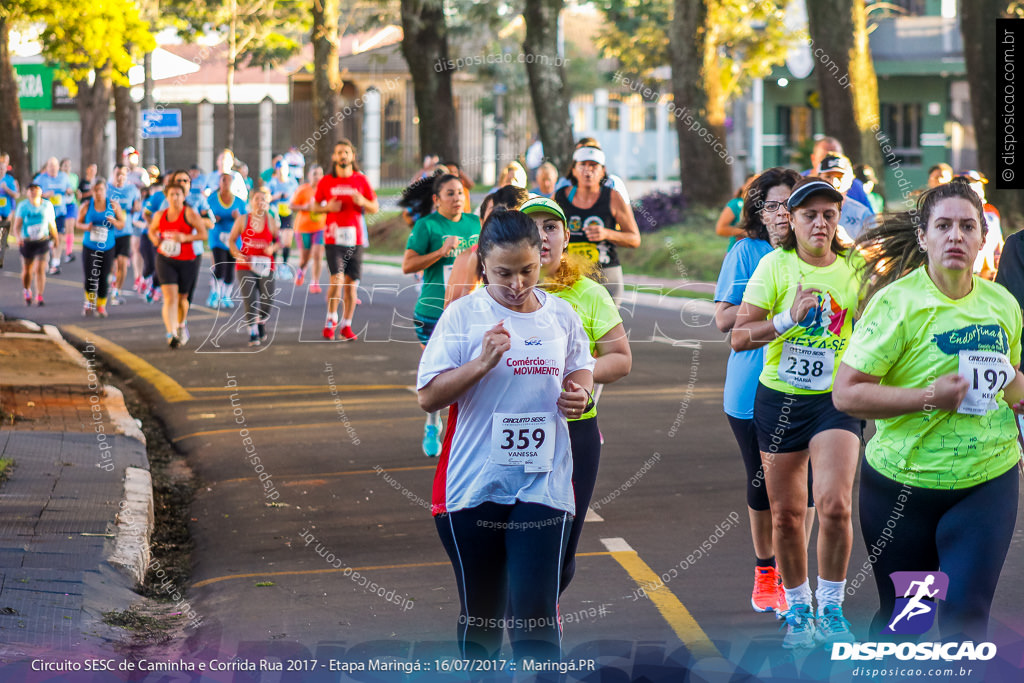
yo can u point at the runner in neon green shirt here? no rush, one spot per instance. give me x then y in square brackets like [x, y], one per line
[934, 361]
[565, 276]
[801, 302]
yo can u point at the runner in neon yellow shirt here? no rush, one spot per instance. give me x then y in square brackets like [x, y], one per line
[935, 362]
[801, 302]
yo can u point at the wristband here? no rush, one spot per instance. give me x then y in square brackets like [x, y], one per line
[783, 322]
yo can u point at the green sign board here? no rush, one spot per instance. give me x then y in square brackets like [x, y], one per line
[35, 85]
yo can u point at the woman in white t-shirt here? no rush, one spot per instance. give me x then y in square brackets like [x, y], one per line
[513, 362]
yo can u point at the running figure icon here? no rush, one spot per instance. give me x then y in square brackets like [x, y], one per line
[915, 606]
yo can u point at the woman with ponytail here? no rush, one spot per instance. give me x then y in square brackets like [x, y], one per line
[569, 277]
[934, 360]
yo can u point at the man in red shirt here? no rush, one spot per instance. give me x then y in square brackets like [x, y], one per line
[345, 196]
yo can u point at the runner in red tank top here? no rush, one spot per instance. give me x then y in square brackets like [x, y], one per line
[172, 231]
[255, 261]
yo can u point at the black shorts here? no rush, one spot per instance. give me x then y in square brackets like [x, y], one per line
[123, 245]
[347, 260]
[177, 272]
[33, 249]
[786, 423]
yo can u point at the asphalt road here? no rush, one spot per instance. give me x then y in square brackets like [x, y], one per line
[325, 550]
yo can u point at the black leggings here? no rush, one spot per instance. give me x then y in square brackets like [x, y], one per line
[148, 252]
[757, 494]
[223, 265]
[507, 555]
[963, 532]
[585, 439]
[96, 265]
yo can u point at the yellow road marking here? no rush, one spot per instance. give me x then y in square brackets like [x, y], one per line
[307, 572]
[171, 391]
[671, 609]
[312, 425]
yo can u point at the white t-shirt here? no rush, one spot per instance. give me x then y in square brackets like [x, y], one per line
[854, 219]
[547, 345]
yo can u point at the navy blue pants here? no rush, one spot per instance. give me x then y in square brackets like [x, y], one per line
[507, 556]
[586, 456]
[963, 532]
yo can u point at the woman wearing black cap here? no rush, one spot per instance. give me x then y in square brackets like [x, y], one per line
[800, 303]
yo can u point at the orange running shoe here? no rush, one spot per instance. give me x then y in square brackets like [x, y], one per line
[765, 597]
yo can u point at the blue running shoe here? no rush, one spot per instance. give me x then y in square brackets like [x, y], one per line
[833, 627]
[213, 300]
[798, 621]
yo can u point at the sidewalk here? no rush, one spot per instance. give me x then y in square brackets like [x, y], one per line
[76, 512]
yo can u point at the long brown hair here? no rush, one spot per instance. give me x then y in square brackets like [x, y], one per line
[891, 249]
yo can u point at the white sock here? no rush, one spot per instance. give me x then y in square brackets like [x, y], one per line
[346, 322]
[830, 593]
[332, 318]
[801, 595]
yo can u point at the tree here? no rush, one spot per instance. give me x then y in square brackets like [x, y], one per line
[847, 81]
[425, 48]
[258, 33]
[548, 89]
[326, 81]
[979, 36]
[716, 48]
[126, 118]
[696, 88]
[90, 45]
[11, 140]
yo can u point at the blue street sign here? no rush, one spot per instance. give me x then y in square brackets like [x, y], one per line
[161, 123]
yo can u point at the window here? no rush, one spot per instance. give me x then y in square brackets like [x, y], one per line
[392, 123]
[901, 124]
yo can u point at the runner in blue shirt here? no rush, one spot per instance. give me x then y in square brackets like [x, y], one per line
[8, 199]
[282, 187]
[127, 196]
[225, 207]
[36, 228]
[55, 186]
[102, 218]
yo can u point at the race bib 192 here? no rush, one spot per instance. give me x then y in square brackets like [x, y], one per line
[523, 439]
[807, 368]
[986, 372]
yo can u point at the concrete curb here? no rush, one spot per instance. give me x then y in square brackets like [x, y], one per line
[118, 414]
[135, 521]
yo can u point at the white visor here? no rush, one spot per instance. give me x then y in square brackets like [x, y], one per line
[588, 154]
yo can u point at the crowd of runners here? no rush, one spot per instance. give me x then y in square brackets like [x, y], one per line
[836, 313]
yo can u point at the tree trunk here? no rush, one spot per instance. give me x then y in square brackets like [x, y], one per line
[699, 107]
[425, 48]
[846, 79]
[326, 81]
[232, 59]
[126, 117]
[978, 26]
[11, 140]
[548, 89]
[93, 113]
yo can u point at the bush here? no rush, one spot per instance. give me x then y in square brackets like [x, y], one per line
[658, 210]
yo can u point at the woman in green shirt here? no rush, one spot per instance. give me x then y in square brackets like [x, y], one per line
[934, 361]
[800, 304]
